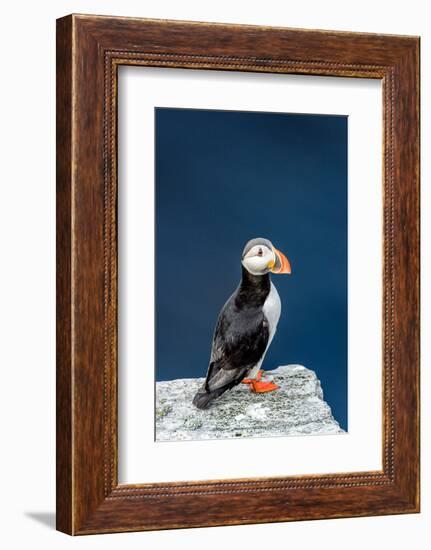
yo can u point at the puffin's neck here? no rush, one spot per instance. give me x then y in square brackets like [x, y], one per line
[253, 289]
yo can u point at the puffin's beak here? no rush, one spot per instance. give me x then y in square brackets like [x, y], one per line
[282, 264]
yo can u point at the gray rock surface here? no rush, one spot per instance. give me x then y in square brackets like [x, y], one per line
[297, 408]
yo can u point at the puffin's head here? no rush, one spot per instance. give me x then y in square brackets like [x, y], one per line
[260, 256]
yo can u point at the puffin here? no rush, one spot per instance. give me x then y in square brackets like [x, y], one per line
[246, 326]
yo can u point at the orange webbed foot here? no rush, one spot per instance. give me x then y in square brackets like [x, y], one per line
[251, 380]
[258, 386]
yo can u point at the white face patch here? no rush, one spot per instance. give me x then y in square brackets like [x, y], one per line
[259, 259]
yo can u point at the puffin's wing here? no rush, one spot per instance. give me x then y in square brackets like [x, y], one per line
[221, 378]
[240, 340]
[238, 345]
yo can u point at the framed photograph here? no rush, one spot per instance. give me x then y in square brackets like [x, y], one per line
[237, 274]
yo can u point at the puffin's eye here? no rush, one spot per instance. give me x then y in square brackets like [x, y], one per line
[259, 252]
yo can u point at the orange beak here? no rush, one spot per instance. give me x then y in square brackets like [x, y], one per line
[282, 264]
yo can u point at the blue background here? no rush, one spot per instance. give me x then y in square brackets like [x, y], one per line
[224, 177]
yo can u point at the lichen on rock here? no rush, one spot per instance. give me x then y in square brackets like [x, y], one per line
[297, 408]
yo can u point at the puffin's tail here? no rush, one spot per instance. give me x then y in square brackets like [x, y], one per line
[203, 398]
[217, 382]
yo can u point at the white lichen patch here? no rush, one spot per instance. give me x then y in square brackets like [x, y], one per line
[297, 408]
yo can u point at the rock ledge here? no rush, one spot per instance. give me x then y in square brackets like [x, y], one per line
[297, 408]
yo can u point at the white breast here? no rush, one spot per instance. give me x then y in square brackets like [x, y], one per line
[272, 310]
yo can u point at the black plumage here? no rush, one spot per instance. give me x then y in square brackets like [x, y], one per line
[240, 338]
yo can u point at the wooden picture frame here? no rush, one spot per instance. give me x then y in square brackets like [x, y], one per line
[89, 51]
